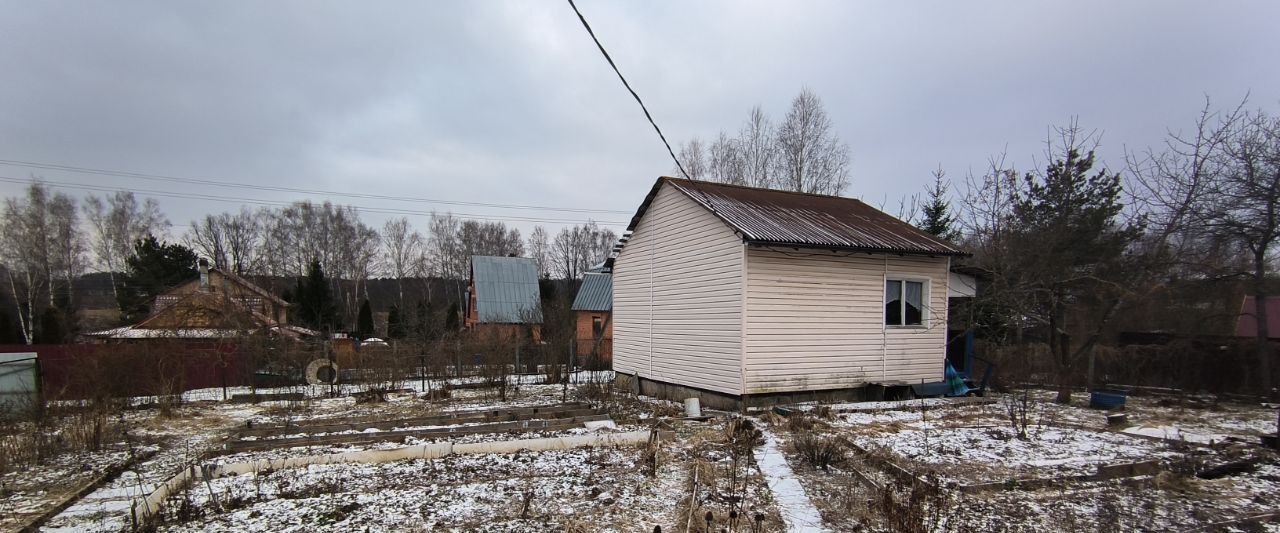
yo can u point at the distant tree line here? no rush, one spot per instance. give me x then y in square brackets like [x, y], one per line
[49, 240]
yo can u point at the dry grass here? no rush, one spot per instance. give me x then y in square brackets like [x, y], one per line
[817, 451]
[773, 419]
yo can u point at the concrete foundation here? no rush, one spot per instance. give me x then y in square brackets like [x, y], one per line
[730, 402]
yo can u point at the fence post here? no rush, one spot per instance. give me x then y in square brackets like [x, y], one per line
[39, 385]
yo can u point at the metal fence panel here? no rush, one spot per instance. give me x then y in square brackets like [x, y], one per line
[19, 388]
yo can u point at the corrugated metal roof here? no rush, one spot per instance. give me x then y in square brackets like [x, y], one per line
[506, 290]
[767, 216]
[595, 294]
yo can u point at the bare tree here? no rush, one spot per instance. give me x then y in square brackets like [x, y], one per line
[1244, 206]
[757, 149]
[24, 255]
[725, 163]
[66, 247]
[811, 157]
[444, 247]
[207, 237]
[41, 246]
[693, 154]
[1214, 195]
[243, 232]
[116, 224]
[404, 251]
[539, 250]
[576, 250]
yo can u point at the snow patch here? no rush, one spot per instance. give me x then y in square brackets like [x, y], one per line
[797, 510]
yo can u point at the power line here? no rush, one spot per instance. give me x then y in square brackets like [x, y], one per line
[628, 86]
[252, 186]
[274, 203]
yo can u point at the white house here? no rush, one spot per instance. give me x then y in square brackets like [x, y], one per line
[743, 296]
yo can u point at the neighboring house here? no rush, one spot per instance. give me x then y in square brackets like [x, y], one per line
[1247, 322]
[503, 297]
[593, 314]
[217, 304]
[743, 296]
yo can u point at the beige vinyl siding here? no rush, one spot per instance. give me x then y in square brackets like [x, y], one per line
[677, 298]
[815, 320]
[917, 353]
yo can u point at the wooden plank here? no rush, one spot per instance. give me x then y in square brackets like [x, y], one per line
[33, 525]
[422, 421]
[476, 414]
[387, 436]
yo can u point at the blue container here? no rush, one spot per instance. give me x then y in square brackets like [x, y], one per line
[1107, 400]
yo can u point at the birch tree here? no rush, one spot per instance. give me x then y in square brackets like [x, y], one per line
[539, 250]
[115, 224]
[42, 251]
[693, 155]
[811, 157]
[404, 251]
[757, 149]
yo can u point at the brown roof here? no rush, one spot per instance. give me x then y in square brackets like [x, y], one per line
[251, 286]
[802, 220]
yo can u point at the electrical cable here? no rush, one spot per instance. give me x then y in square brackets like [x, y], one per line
[234, 185]
[629, 89]
[275, 203]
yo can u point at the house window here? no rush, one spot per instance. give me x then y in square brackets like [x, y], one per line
[903, 302]
[597, 327]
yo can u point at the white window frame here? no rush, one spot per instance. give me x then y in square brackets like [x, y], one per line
[925, 289]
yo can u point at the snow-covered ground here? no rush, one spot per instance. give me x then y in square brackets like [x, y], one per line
[946, 445]
[798, 511]
[603, 489]
[987, 454]
[599, 489]
[608, 489]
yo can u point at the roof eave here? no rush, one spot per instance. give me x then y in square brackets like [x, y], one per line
[865, 249]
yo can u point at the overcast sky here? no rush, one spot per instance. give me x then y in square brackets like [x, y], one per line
[510, 102]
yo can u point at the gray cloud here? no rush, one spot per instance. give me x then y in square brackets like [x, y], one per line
[511, 103]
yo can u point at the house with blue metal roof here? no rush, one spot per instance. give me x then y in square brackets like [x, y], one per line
[593, 314]
[503, 295]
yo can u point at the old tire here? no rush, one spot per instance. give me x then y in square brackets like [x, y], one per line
[321, 372]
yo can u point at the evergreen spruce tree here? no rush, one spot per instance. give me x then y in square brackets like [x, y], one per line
[153, 268]
[395, 323]
[364, 322]
[1070, 249]
[51, 331]
[316, 309]
[937, 217]
[451, 319]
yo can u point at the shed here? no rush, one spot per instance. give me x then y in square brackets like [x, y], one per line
[503, 292]
[1247, 322]
[593, 316]
[746, 295]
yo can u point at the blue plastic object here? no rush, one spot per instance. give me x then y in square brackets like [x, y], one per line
[1106, 399]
